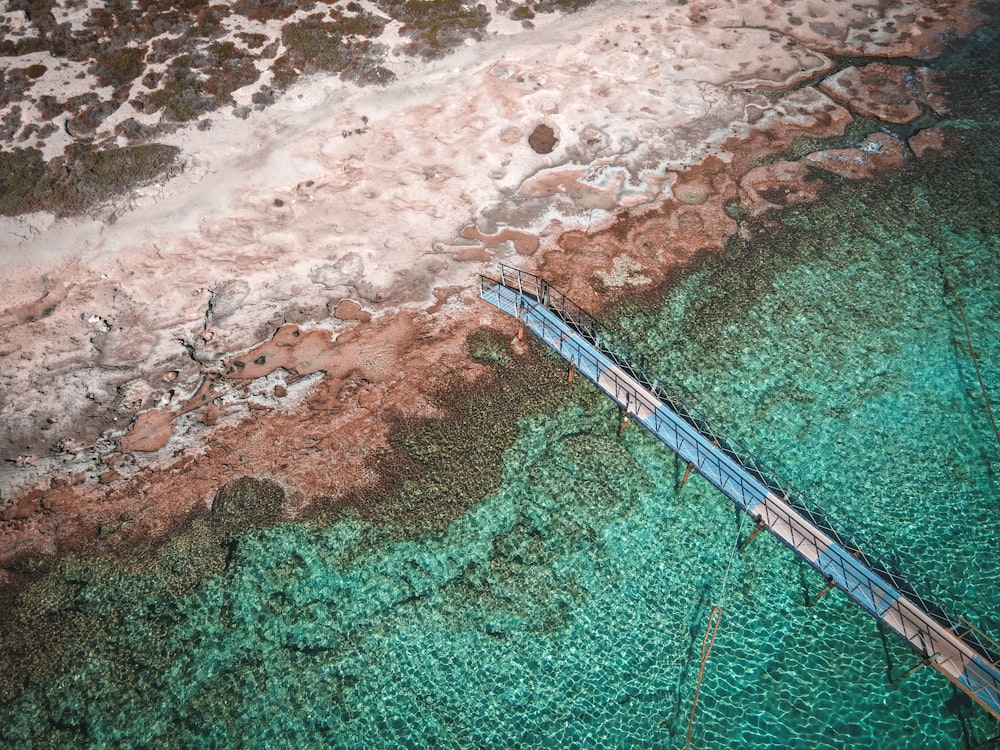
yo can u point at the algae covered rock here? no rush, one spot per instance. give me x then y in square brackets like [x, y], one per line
[247, 503]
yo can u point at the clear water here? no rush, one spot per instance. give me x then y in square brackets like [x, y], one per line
[568, 608]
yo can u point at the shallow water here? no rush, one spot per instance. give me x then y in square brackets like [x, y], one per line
[568, 609]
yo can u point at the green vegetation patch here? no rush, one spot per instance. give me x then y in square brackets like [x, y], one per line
[564, 6]
[490, 346]
[72, 185]
[21, 171]
[119, 67]
[313, 45]
[265, 10]
[180, 98]
[339, 46]
[526, 11]
[522, 13]
[436, 27]
[201, 81]
[233, 69]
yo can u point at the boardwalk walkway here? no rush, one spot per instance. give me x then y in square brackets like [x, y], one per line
[955, 648]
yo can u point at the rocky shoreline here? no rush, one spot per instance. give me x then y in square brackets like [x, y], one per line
[305, 289]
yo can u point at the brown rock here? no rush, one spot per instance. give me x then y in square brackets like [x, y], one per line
[878, 154]
[441, 295]
[348, 309]
[778, 185]
[524, 243]
[542, 139]
[775, 126]
[928, 142]
[280, 390]
[302, 353]
[571, 182]
[694, 192]
[23, 507]
[892, 93]
[369, 399]
[109, 476]
[150, 432]
[477, 254]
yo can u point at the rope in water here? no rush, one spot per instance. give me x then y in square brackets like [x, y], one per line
[708, 640]
[732, 556]
[975, 362]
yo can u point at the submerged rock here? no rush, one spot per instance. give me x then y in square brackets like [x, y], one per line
[247, 502]
[894, 93]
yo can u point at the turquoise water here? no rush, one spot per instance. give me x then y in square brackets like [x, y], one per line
[567, 609]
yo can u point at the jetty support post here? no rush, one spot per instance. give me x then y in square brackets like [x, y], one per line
[757, 529]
